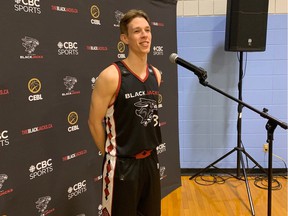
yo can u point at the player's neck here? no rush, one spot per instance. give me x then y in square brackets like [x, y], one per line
[137, 58]
[137, 63]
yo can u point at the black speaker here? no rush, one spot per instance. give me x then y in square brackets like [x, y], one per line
[246, 25]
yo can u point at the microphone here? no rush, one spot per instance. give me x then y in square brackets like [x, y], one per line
[198, 71]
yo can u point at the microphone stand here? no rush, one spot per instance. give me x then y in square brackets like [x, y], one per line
[271, 125]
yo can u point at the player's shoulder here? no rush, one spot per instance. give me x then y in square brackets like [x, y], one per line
[110, 73]
[157, 73]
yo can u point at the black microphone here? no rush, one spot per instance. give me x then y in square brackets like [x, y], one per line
[198, 71]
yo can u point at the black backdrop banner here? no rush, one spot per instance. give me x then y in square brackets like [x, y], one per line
[51, 53]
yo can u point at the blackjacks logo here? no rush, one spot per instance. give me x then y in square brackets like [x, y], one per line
[69, 83]
[74, 155]
[4, 139]
[4, 92]
[72, 120]
[146, 110]
[118, 17]
[96, 48]
[67, 48]
[162, 172]
[30, 45]
[77, 189]
[159, 24]
[121, 49]
[42, 204]
[36, 129]
[3, 178]
[95, 13]
[27, 6]
[64, 9]
[41, 168]
[34, 86]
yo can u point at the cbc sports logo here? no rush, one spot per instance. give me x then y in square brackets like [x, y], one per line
[42, 204]
[72, 120]
[30, 45]
[158, 50]
[95, 13]
[4, 140]
[100, 213]
[34, 86]
[77, 189]
[28, 6]
[121, 49]
[3, 178]
[41, 168]
[93, 80]
[67, 48]
[161, 148]
[69, 83]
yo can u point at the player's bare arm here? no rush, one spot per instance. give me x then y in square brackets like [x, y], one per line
[103, 95]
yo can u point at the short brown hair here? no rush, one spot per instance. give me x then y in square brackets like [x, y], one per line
[129, 16]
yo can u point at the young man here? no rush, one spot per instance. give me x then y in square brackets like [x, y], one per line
[126, 98]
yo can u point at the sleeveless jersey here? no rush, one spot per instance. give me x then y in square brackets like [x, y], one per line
[131, 122]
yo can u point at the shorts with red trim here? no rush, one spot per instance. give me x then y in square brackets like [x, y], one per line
[131, 186]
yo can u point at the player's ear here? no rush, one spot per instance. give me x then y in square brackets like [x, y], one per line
[124, 38]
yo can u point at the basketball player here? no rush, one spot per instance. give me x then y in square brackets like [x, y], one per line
[126, 98]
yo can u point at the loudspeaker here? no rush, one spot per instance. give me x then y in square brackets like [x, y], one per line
[246, 25]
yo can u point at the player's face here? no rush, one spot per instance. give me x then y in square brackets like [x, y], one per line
[139, 35]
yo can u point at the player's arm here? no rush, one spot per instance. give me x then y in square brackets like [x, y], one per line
[103, 95]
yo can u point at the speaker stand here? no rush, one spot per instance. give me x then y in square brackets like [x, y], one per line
[239, 149]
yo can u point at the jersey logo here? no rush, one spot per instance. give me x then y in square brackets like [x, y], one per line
[146, 109]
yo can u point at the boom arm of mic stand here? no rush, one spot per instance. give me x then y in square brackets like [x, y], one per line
[264, 113]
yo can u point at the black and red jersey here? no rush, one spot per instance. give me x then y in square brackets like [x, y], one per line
[132, 121]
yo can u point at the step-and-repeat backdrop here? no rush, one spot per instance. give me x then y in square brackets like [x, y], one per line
[51, 52]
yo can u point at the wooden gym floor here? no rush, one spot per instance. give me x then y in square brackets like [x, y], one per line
[229, 198]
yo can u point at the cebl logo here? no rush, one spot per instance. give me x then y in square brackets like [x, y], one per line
[34, 86]
[72, 120]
